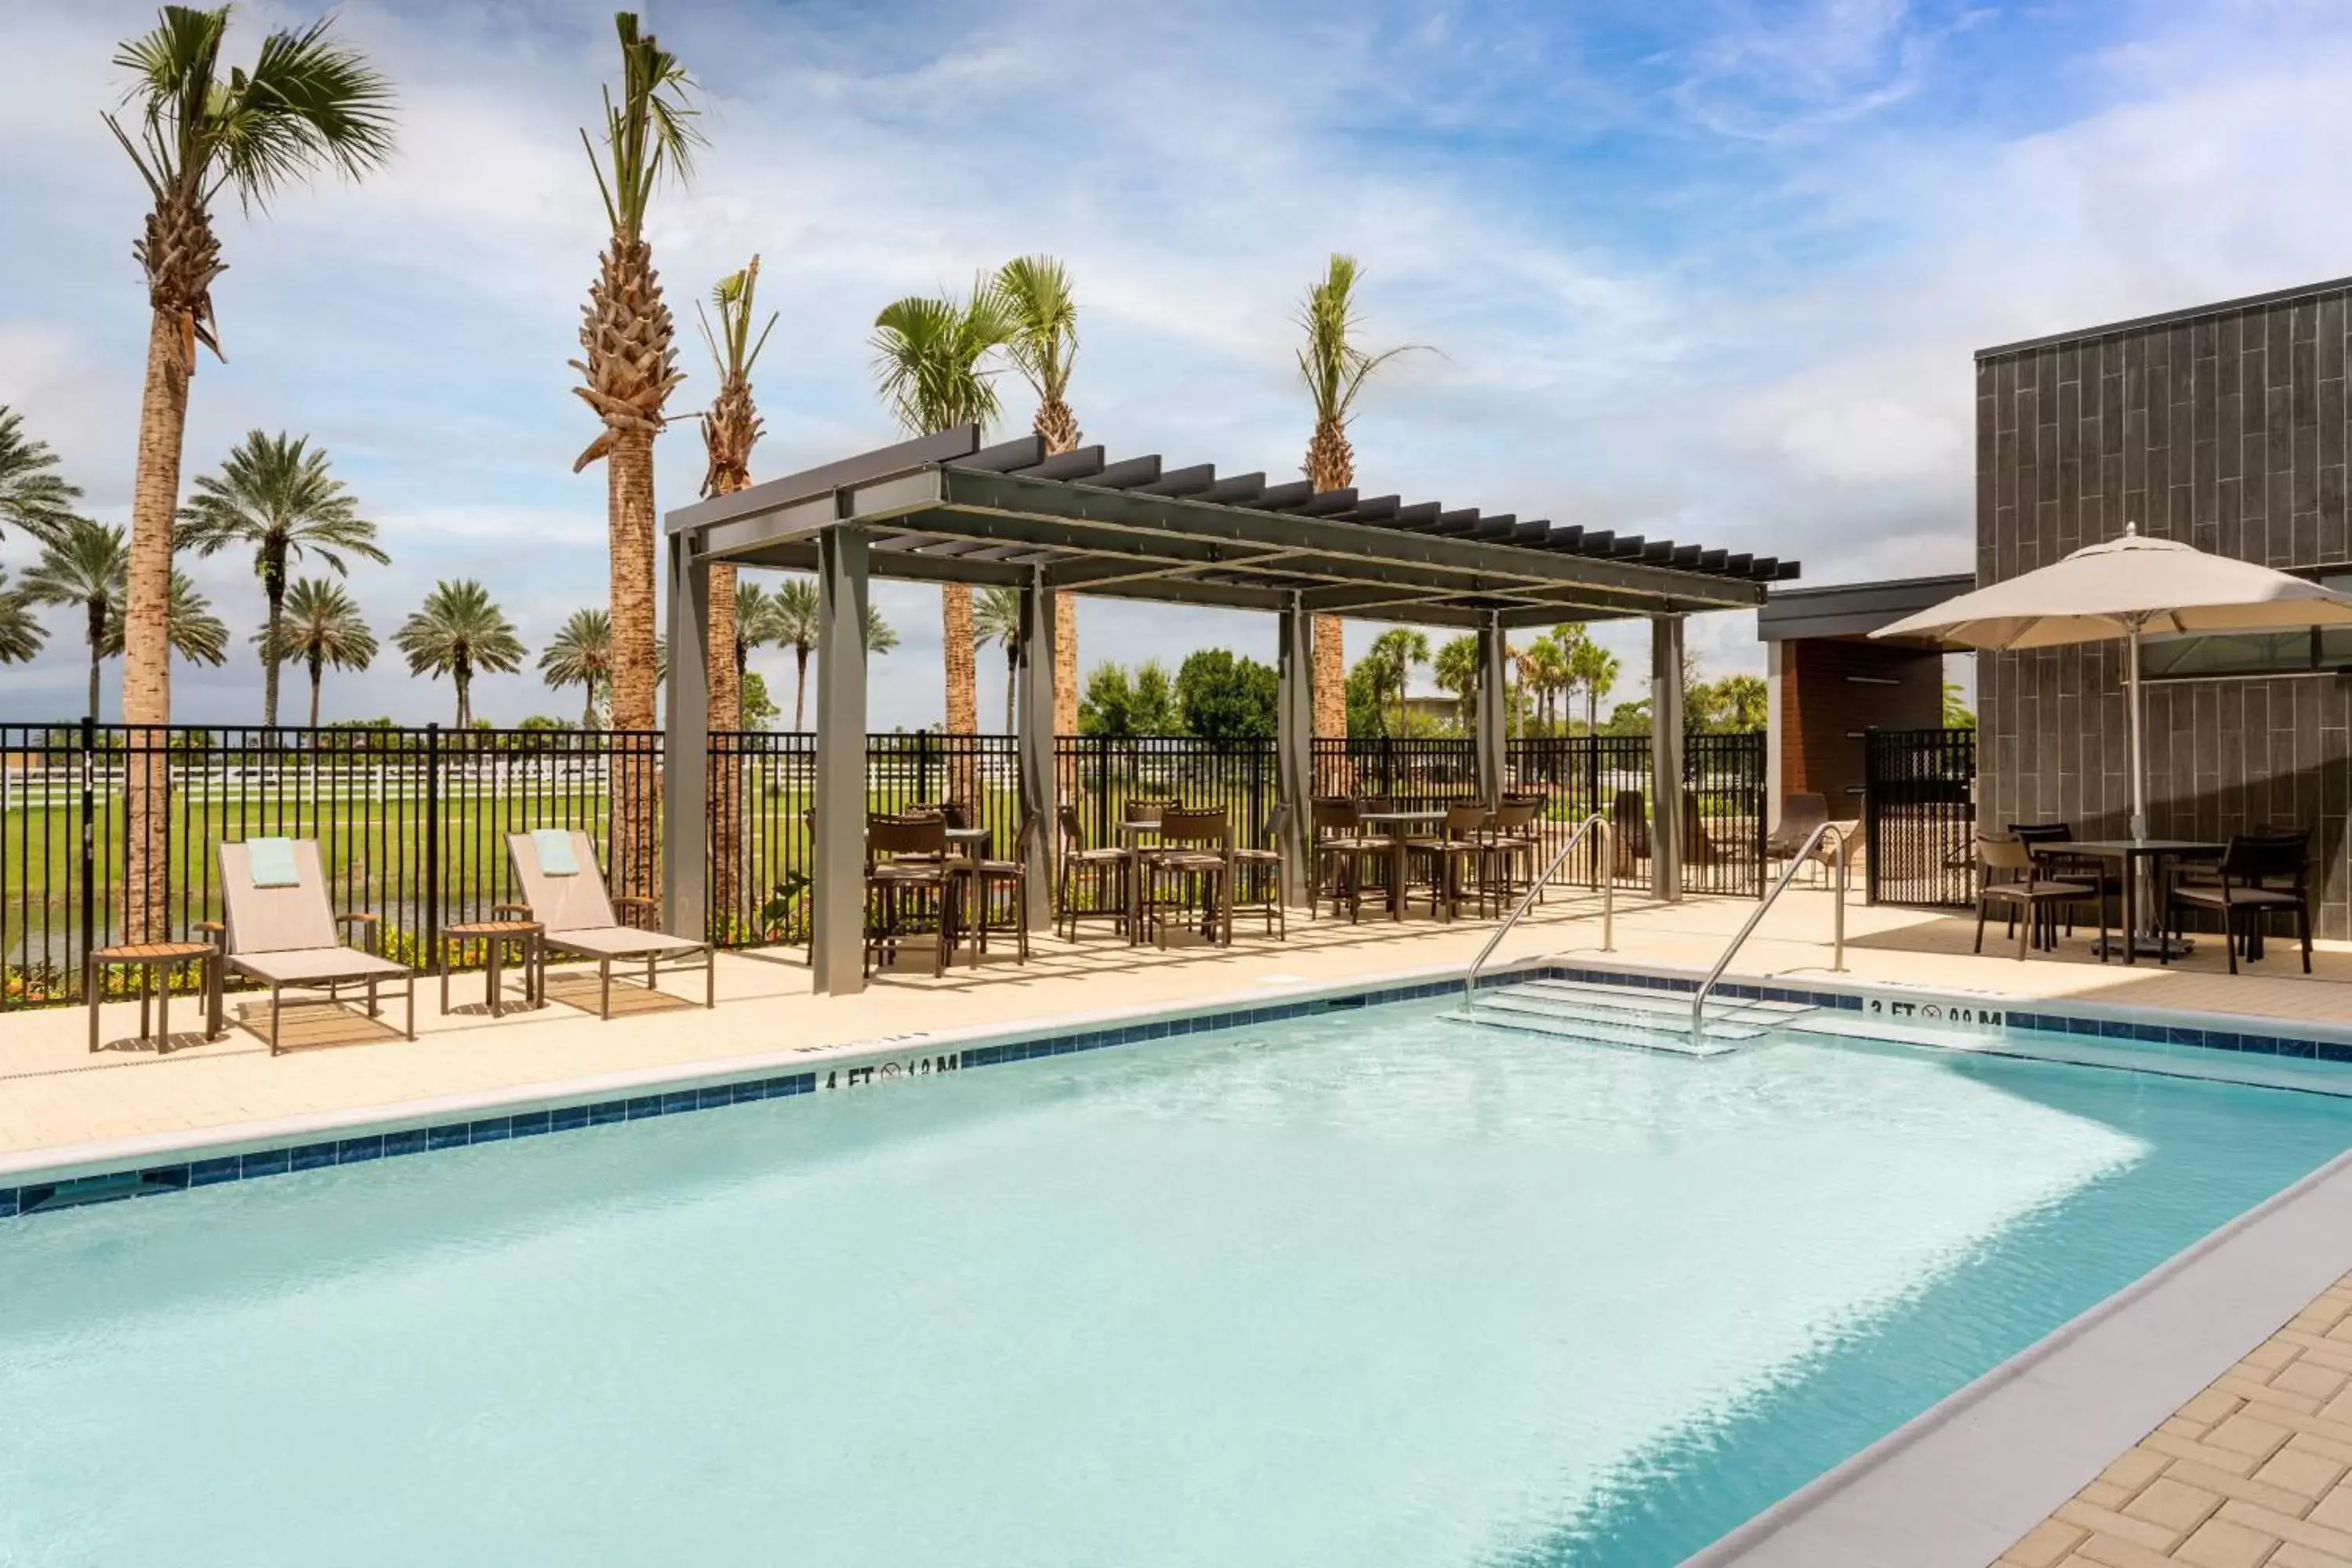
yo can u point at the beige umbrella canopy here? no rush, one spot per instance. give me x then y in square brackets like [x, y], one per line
[2127, 588]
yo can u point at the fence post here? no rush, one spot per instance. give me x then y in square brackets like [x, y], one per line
[89, 852]
[433, 841]
[1870, 793]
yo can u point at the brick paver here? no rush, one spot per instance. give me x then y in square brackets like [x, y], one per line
[2254, 1472]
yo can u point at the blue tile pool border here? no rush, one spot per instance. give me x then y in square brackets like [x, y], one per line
[45, 1196]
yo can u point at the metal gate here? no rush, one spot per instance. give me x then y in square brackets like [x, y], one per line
[1919, 816]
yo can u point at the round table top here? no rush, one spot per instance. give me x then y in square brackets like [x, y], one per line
[968, 835]
[491, 928]
[1437, 814]
[154, 952]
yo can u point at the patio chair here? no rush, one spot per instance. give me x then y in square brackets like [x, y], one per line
[907, 860]
[1513, 836]
[1803, 814]
[1257, 877]
[1194, 848]
[2243, 895]
[988, 876]
[2023, 890]
[575, 915]
[1466, 843]
[1342, 851]
[2072, 867]
[1629, 820]
[282, 930]
[1098, 874]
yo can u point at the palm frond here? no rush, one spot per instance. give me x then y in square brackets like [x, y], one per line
[648, 131]
[927, 359]
[1331, 365]
[1042, 309]
[33, 496]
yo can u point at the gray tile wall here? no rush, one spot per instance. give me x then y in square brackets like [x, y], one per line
[2228, 431]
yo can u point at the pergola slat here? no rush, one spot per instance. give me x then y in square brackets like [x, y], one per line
[1076, 464]
[1182, 482]
[1127, 474]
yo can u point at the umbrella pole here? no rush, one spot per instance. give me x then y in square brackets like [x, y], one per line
[2139, 761]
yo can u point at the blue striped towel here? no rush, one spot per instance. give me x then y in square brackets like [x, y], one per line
[271, 861]
[555, 857]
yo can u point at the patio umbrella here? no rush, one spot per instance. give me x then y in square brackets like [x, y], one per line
[2127, 588]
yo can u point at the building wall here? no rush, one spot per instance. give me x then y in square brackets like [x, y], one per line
[2228, 430]
[1830, 691]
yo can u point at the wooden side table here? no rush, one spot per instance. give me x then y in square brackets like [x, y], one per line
[497, 934]
[153, 959]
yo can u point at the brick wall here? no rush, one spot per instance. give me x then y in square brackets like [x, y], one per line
[1830, 692]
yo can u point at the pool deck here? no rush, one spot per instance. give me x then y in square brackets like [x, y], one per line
[2196, 1481]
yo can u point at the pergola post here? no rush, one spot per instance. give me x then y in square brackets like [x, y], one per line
[686, 745]
[837, 858]
[1032, 698]
[1494, 754]
[1666, 757]
[1294, 749]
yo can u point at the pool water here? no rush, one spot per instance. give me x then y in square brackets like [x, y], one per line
[1360, 1289]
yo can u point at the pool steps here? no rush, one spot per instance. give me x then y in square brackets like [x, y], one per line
[1608, 1015]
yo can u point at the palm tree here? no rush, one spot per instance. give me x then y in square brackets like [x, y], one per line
[1594, 668]
[927, 366]
[1457, 669]
[1545, 667]
[274, 494]
[1395, 653]
[322, 625]
[731, 428]
[201, 127]
[32, 497]
[629, 370]
[458, 633]
[997, 620]
[879, 637]
[1044, 346]
[21, 636]
[86, 568]
[1334, 371]
[582, 655]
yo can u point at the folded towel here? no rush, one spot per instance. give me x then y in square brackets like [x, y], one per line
[555, 857]
[272, 862]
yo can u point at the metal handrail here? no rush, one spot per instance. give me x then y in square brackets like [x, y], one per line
[1837, 937]
[1536, 885]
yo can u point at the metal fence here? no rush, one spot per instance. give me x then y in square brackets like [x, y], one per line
[412, 823]
[1919, 816]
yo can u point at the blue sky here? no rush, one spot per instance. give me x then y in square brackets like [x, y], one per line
[1709, 269]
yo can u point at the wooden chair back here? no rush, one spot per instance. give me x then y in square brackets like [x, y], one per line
[1467, 820]
[889, 837]
[2004, 852]
[1178, 827]
[1336, 816]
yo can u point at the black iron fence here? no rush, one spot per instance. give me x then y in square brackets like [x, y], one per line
[1919, 816]
[412, 823]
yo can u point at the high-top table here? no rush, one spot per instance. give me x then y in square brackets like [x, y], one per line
[2132, 857]
[1398, 826]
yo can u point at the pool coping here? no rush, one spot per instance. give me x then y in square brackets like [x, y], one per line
[1958, 1485]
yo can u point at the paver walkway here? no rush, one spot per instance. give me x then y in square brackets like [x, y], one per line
[2254, 1472]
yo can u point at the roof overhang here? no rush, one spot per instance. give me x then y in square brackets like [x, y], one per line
[1856, 609]
[943, 508]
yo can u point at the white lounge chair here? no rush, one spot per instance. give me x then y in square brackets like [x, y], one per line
[575, 915]
[290, 935]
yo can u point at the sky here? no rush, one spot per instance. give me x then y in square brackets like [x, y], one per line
[1706, 269]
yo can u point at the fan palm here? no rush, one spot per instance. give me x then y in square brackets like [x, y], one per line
[996, 618]
[86, 568]
[1594, 668]
[274, 494]
[731, 428]
[1394, 654]
[927, 366]
[1334, 369]
[32, 496]
[582, 655]
[21, 636]
[628, 371]
[789, 619]
[1456, 670]
[320, 627]
[199, 127]
[1044, 346]
[460, 632]
[1545, 667]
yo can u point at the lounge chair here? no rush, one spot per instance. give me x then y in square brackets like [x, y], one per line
[288, 933]
[575, 916]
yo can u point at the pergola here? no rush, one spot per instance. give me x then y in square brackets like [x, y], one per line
[944, 507]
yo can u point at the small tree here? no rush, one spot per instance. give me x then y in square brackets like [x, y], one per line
[322, 626]
[1457, 669]
[460, 632]
[1222, 699]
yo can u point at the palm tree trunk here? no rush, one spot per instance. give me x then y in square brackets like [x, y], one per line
[588, 705]
[96, 632]
[1065, 612]
[637, 787]
[725, 700]
[1330, 677]
[464, 679]
[799, 687]
[1011, 687]
[317, 669]
[962, 679]
[147, 629]
[273, 585]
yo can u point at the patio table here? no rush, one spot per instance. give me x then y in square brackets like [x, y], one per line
[2132, 857]
[1400, 825]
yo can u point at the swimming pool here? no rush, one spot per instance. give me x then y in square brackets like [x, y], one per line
[1360, 1288]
